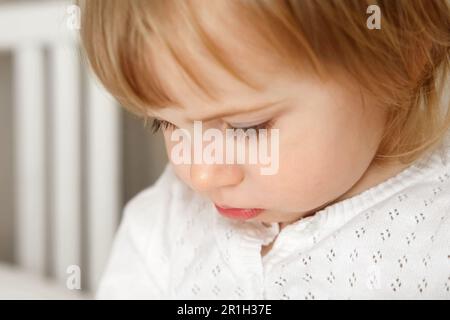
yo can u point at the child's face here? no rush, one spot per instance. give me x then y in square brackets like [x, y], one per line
[327, 141]
[329, 134]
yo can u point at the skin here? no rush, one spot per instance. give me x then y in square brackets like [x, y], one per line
[330, 130]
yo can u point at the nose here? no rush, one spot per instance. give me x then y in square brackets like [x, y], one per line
[206, 177]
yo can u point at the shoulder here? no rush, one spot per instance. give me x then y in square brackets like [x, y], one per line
[157, 216]
[431, 192]
[138, 265]
[414, 208]
[418, 216]
[145, 206]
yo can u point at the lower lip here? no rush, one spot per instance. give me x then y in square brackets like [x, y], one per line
[238, 213]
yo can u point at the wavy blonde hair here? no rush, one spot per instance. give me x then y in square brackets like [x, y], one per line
[404, 64]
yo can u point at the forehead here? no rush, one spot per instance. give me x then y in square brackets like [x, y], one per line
[225, 58]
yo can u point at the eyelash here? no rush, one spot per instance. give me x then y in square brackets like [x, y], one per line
[159, 125]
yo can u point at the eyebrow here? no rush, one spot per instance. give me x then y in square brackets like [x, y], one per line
[238, 111]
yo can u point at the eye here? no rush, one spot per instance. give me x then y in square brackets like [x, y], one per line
[158, 125]
[263, 125]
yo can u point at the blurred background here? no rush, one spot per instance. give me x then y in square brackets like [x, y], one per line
[70, 157]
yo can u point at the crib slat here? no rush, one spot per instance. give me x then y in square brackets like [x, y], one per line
[104, 177]
[29, 115]
[66, 182]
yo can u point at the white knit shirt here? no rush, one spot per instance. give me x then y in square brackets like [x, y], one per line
[391, 241]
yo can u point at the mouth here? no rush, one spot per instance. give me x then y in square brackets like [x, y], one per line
[238, 213]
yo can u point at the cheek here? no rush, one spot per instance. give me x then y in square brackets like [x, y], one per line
[319, 161]
[308, 180]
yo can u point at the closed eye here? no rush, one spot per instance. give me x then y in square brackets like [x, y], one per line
[159, 125]
[264, 125]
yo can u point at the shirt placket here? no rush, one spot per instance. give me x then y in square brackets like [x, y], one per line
[240, 244]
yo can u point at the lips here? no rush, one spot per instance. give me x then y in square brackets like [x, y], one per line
[239, 213]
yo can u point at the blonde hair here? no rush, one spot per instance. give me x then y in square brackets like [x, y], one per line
[404, 64]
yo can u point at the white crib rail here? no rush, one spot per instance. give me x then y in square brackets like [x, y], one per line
[66, 166]
[30, 144]
[49, 142]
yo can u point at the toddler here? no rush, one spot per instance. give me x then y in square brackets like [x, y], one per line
[358, 205]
